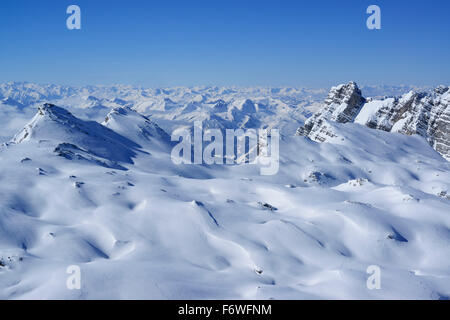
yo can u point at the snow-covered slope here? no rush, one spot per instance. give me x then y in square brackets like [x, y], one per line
[142, 227]
[137, 128]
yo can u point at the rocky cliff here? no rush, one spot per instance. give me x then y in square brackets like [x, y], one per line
[425, 114]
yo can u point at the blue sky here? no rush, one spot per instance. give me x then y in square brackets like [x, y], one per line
[244, 43]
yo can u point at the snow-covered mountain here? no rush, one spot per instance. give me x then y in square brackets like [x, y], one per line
[172, 107]
[74, 138]
[425, 114]
[105, 196]
[138, 128]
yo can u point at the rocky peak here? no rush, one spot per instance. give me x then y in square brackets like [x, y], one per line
[441, 89]
[54, 112]
[344, 101]
[342, 105]
[425, 114]
[119, 111]
[48, 115]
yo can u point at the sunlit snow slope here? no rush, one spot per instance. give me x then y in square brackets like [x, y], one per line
[107, 198]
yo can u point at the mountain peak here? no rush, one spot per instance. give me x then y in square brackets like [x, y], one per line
[342, 104]
[75, 138]
[136, 127]
[54, 112]
[348, 94]
[441, 89]
[124, 110]
[46, 107]
[48, 115]
[425, 114]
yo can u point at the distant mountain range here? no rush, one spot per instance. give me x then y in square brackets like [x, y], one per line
[225, 107]
[404, 109]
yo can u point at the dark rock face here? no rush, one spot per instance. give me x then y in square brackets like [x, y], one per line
[439, 123]
[425, 114]
[342, 105]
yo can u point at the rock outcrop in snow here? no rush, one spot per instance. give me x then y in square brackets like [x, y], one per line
[425, 114]
[342, 105]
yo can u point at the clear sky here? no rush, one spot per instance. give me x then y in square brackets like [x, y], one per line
[245, 43]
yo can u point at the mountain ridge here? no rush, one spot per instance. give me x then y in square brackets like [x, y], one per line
[74, 138]
[425, 114]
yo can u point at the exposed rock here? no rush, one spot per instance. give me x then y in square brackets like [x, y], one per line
[342, 105]
[425, 114]
[357, 182]
[318, 177]
[395, 235]
[267, 206]
[444, 195]
[78, 184]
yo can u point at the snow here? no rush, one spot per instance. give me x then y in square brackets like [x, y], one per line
[368, 113]
[141, 227]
